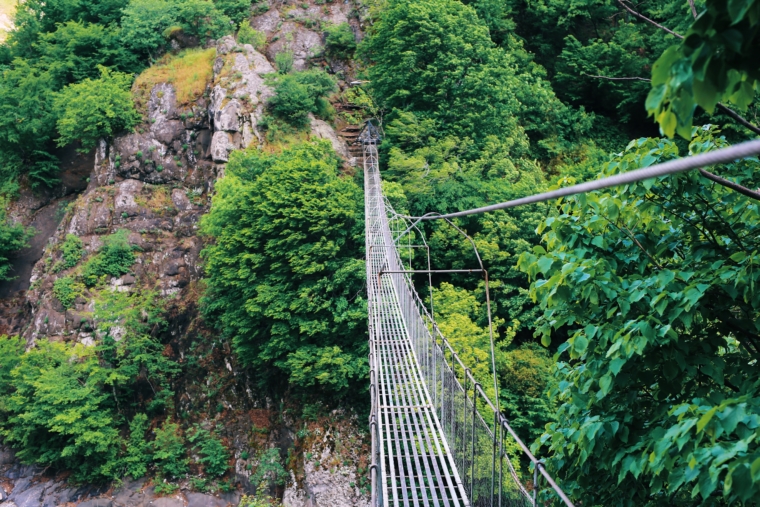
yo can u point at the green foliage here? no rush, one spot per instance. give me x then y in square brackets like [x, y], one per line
[138, 453]
[248, 35]
[456, 312]
[285, 268]
[525, 381]
[73, 52]
[169, 451]
[214, 455]
[237, 10]
[201, 18]
[269, 471]
[95, 109]
[114, 258]
[658, 386]
[11, 349]
[340, 41]
[67, 290]
[59, 414]
[258, 500]
[284, 62]
[27, 124]
[13, 237]
[297, 95]
[143, 25]
[716, 61]
[72, 250]
[146, 22]
[61, 405]
[130, 323]
[436, 58]
[55, 44]
[166, 488]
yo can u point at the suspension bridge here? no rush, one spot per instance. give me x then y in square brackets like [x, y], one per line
[430, 444]
[437, 438]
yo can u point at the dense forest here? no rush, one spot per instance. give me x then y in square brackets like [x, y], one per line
[627, 320]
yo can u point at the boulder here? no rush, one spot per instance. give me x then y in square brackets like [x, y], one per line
[267, 22]
[162, 103]
[228, 117]
[130, 495]
[258, 62]
[225, 45]
[221, 146]
[323, 130]
[216, 99]
[201, 500]
[180, 200]
[28, 498]
[306, 43]
[124, 201]
[97, 502]
[167, 502]
[7, 456]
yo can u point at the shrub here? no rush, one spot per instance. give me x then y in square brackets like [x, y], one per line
[147, 22]
[247, 35]
[166, 488]
[169, 451]
[59, 415]
[114, 258]
[67, 290]
[73, 250]
[293, 223]
[127, 323]
[340, 41]
[214, 456]
[292, 101]
[297, 95]
[270, 471]
[95, 109]
[138, 451]
[236, 10]
[284, 62]
[11, 349]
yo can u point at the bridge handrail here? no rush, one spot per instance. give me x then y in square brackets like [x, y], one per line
[501, 418]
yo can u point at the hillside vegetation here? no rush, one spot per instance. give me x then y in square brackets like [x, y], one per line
[627, 320]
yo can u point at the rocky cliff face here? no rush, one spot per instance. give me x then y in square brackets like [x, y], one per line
[156, 183]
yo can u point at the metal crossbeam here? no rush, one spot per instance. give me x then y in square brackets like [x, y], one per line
[430, 445]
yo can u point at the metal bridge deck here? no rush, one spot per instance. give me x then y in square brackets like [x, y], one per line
[417, 467]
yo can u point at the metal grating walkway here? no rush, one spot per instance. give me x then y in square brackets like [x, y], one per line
[417, 467]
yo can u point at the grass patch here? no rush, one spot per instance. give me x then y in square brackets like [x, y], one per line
[189, 72]
[158, 199]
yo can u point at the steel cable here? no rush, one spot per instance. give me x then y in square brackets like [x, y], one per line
[721, 156]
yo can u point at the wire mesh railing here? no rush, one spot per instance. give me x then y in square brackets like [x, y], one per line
[431, 445]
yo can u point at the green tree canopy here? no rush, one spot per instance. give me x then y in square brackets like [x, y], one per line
[297, 95]
[436, 58]
[27, 123]
[95, 108]
[285, 268]
[716, 61]
[59, 414]
[656, 283]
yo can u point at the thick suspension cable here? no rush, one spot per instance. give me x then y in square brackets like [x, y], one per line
[721, 156]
